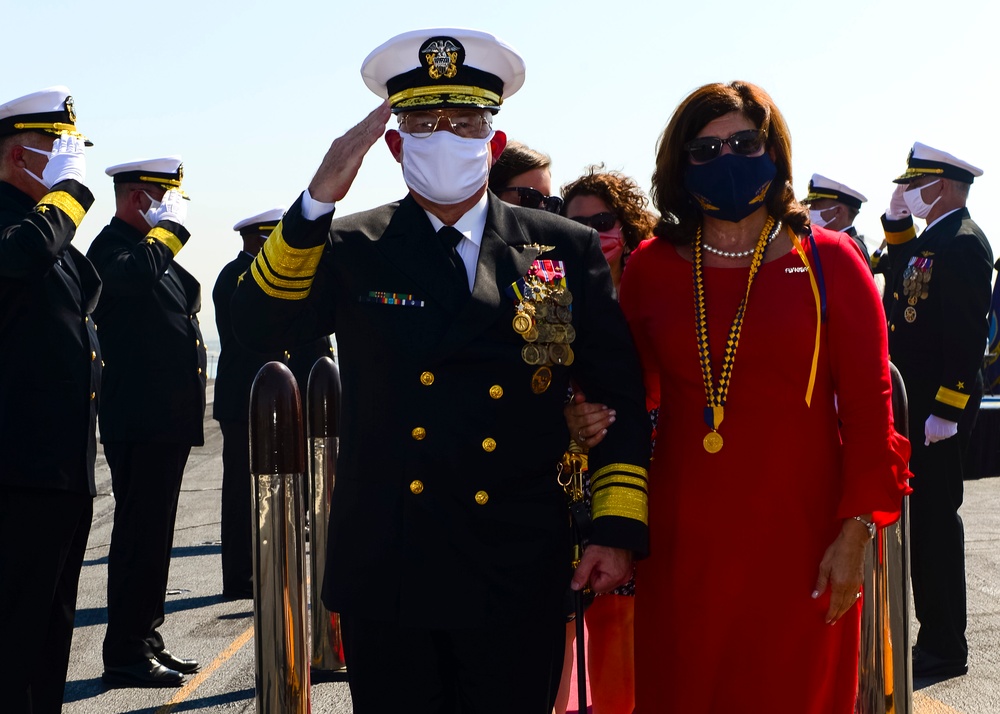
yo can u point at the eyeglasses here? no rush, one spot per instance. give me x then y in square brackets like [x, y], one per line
[706, 148]
[533, 198]
[600, 222]
[466, 124]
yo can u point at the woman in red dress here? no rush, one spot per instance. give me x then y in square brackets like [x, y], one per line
[764, 345]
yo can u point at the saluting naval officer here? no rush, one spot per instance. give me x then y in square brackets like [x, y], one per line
[50, 377]
[459, 321]
[835, 205]
[152, 410]
[937, 299]
[231, 407]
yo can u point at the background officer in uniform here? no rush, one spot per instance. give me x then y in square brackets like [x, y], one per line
[937, 298]
[835, 206]
[231, 407]
[50, 374]
[459, 322]
[153, 407]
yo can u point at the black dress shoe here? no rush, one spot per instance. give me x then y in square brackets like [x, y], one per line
[184, 666]
[148, 673]
[928, 666]
[238, 593]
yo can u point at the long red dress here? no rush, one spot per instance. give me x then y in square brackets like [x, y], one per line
[725, 621]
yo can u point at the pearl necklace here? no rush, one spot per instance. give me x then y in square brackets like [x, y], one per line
[743, 253]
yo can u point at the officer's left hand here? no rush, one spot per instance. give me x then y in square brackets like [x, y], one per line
[606, 568]
[938, 429]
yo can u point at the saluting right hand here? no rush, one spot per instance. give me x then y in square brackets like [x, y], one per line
[897, 204]
[343, 159]
[66, 160]
[173, 207]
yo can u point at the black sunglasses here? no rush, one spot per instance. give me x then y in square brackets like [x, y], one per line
[533, 198]
[706, 148]
[600, 222]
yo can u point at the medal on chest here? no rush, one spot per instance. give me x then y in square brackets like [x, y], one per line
[716, 394]
[544, 319]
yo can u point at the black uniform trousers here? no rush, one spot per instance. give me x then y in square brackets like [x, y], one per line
[937, 536]
[479, 670]
[146, 478]
[237, 522]
[43, 538]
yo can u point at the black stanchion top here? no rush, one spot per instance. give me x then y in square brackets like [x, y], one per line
[323, 400]
[277, 445]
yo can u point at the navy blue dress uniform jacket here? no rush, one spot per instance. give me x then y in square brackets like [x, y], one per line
[50, 361]
[239, 365]
[446, 511]
[147, 320]
[938, 332]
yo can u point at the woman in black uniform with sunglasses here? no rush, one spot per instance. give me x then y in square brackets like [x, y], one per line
[763, 343]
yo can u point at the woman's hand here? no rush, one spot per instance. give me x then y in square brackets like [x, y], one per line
[588, 423]
[842, 568]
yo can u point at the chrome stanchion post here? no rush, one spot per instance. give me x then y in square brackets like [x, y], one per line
[278, 465]
[322, 432]
[885, 669]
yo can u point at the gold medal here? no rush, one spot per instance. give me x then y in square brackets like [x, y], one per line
[544, 332]
[712, 442]
[563, 314]
[558, 333]
[522, 323]
[570, 334]
[569, 356]
[558, 353]
[531, 354]
[532, 334]
[541, 380]
[912, 300]
[910, 314]
[563, 297]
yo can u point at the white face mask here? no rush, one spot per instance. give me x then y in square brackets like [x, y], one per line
[148, 214]
[39, 179]
[444, 167]
[915, 201]
[815, 217]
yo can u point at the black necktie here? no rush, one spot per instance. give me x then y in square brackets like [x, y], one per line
[450, 238]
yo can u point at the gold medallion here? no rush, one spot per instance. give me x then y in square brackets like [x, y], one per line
[558, 353]
[570, 334]
[712, 442]
[558, 333]
[563, 297]
[563, 314]
[912, 300]
[910, 314]
[541, 380]
[531, 354]
[544, 332]
[522, 323]
[531, 335]
[569, 356]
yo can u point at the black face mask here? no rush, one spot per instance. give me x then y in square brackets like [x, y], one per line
[731, 187]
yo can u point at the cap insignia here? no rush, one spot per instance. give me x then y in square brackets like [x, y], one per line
[70, 109]
[442, 56]
[180, 173]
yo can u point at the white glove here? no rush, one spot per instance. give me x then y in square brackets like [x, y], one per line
[937, 429]
[897, 204]
[173, 207]
[66, 161]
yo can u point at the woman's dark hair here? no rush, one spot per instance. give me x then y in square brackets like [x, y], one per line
[515, 159]
[700, 107]
[622, 195]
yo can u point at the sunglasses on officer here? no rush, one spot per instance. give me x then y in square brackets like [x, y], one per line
[533, 198]
[600, 222]
[705, 148]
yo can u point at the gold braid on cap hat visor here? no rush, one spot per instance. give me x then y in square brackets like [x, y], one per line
[51, 127]
[455, 89]
[815, 195]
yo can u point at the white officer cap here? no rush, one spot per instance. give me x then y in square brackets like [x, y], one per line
[262, 222]
[49, 110]
[927, 161]
[822, 187]
[167, 171]
[444, 68]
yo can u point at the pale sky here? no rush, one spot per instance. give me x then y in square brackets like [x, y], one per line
[251, 93]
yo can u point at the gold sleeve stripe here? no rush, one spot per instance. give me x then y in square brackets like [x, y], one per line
[618, 468]
[621, 501]
[901, 237]
[619, 480]
[288, 262]
[65, 203]
[280, 281]
[952, 398]
[167, 238]
[273, 290]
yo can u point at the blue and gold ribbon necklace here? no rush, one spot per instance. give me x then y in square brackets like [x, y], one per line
[716, 396]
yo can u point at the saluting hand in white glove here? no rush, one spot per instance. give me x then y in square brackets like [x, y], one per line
[173, 207]
[938, 429]
[897, 204]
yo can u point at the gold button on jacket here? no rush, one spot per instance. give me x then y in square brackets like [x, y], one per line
[427, 378]
[417, 487]
[418, 433]
[496, 391]
[482, 497]
[489, 444]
